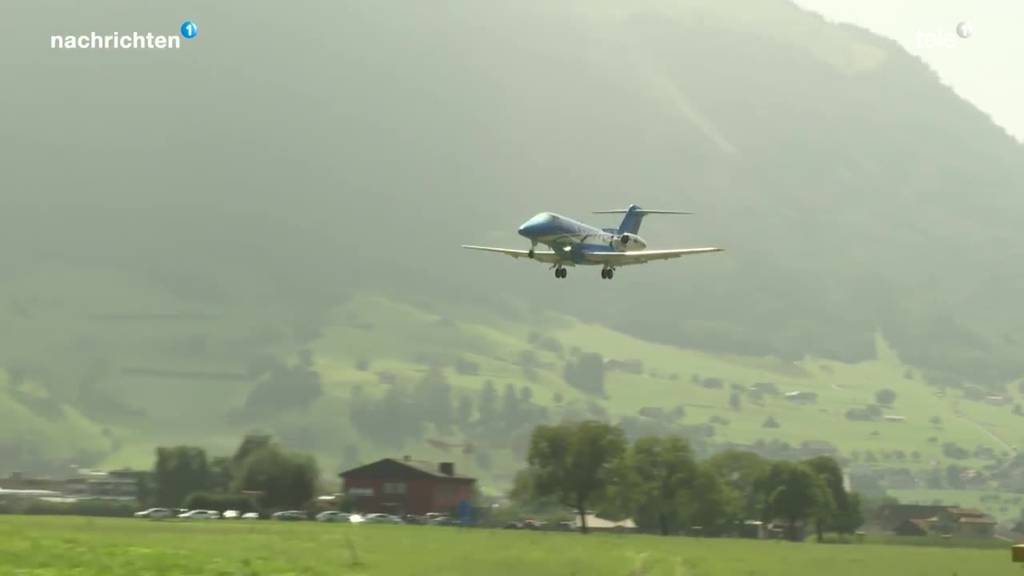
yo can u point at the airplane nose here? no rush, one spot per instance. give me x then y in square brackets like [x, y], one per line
[536, 226]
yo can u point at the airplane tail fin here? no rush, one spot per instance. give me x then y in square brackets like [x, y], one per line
[634, 215]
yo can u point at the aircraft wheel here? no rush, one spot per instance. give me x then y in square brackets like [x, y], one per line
[604, 273]
[611, 274]
[530, 253]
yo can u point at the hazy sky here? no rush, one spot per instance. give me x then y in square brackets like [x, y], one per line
[985, 68]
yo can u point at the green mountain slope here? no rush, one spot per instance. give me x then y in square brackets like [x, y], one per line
[854, 192]
[376, 346]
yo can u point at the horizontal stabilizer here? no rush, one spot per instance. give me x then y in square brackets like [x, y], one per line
[634, 215]
[640, 211]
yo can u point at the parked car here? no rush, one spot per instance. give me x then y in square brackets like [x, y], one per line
[251, 516]
[155, 513]
[332, 516]
[443, 521]
[231, 515]
[382, 519]
[289, 515]
[200, 515]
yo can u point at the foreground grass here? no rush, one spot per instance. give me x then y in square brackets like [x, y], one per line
[86, 546]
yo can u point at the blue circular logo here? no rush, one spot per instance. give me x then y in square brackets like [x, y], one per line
[189, 30]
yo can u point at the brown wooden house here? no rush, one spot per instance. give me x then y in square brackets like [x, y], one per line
[406, 486]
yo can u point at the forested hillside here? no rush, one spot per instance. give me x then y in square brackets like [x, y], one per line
[176, 235]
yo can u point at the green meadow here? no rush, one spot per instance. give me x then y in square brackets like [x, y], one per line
[39, 546]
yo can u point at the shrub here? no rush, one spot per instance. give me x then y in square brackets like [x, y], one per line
[220, 501]
[955, 451]
[109, 508]
[885, 397]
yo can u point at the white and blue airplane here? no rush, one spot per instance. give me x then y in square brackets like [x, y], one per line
[574, 243]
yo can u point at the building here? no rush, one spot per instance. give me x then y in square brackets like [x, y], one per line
[966, 522]
[912, 527]
[116, 484]
[406, 486]
[893, 515]
[124, 484]
[911, 520]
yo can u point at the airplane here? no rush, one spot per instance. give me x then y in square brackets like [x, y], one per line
[574, 243]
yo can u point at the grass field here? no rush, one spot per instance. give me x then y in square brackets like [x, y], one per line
[85, 546]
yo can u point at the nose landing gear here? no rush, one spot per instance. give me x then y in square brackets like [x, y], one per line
[561, 272]
[607, 273]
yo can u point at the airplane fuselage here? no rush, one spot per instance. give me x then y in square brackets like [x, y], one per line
[571, 238]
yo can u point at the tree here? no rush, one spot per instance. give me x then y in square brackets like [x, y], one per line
[487, 408]
[573, 462]
[850, 518]
[285, 387]
[713, 504]
[434, 399]
[464, 410]
[740, 471]
[586, 373]
[249, 446]
[735, 401]
[832, 475]
[885, 397]
[285, 479]
[794, 493]
[180, 471]
[510, 407]
[660, 471]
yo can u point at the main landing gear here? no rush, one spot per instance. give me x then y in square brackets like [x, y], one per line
[561, 272]
[607, 273]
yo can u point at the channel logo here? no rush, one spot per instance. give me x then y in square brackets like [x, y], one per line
[189, 30]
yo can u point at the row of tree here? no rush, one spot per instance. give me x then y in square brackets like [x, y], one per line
[404, 413]
[658, 482]
[260, 470]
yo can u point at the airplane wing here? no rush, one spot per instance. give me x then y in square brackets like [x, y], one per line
[540, 255]
[612, 258]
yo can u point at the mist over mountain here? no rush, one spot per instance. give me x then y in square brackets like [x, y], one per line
[274, 167]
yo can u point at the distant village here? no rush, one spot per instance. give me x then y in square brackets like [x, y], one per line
[407, 490]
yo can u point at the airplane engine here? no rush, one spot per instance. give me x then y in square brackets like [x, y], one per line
[624, 242]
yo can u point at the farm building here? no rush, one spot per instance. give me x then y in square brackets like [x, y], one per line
[406, 486]
[914, 520]
[912, 527]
